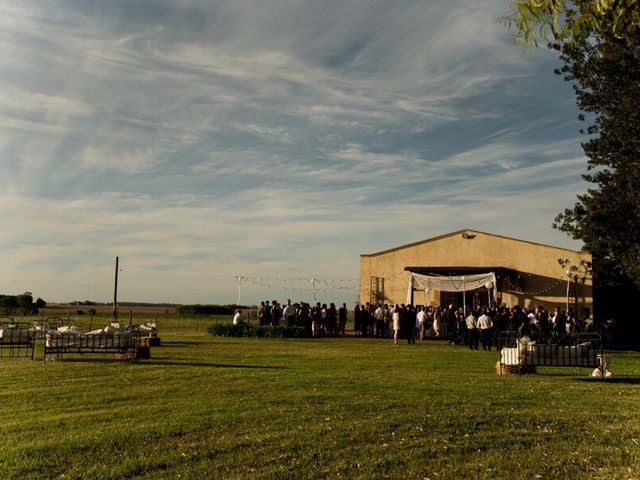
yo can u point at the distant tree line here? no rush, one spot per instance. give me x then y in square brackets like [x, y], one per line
[122, 304]
[21, 304]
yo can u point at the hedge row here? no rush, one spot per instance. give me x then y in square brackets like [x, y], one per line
[205, 309]
[277, 331]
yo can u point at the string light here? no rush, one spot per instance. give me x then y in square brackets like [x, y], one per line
[546, 289]
[292, 284]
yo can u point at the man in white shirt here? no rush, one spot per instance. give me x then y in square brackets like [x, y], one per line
[485, 325]
[289, 314]
[237, 318]
[472, 331]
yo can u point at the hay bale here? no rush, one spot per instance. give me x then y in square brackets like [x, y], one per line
[129, 354]
[502, 369]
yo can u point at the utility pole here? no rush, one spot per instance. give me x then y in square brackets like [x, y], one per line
[114, 316]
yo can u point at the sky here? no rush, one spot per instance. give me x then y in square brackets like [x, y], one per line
[275, 140]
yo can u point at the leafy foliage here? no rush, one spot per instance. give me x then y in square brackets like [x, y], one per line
[606, 78]
[23, 304]
[599, 46]
[8, 304]
[576, 20]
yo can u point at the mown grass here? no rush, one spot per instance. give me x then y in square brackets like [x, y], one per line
[208, 407]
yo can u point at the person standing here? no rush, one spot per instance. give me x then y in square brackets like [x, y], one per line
[388, 321]
[357, 319]
[422, 322]
[332, 319]
[395, 315]
[276, 313]
[262, 312]
[303, 317]
[444, 330]
[472, 331]
[485, 325]
[437, 322]
[409, 316]
[450, 320]
[378, 317]
[237, 318]
[289, 314]
[365, 319]
[342, 318]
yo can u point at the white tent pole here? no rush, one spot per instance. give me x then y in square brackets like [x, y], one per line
[313, 286]
[464, 298]
[239, 280]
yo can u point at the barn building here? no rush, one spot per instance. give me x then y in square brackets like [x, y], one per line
[469, 267]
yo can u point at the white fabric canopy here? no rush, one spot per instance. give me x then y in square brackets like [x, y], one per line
[453, 283]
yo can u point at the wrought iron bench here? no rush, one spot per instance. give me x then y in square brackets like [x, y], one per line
[17, 339]
[521, 355]
[124, 343]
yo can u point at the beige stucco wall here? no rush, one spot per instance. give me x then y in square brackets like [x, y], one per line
[542, 280]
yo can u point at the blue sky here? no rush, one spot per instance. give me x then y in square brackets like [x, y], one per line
[201, 140]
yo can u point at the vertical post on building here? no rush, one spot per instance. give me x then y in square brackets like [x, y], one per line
[575, 293]
[412, 293]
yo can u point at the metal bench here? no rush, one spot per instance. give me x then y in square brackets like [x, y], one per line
[125, 344]
[521, 355]
[17, 339]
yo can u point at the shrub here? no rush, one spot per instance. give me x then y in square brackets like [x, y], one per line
[260, 331]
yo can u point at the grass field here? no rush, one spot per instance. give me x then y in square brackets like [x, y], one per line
[207, 407]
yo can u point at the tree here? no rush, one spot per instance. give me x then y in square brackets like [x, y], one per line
[25, 302]
[8, 304]
[599, 46]
[606, 78]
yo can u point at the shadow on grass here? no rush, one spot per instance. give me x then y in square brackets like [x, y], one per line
[194, 343]
[160, 362]
[618, 380]
[179, 344]
[211, 365]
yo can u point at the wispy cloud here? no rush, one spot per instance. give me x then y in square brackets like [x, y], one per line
[201, 140]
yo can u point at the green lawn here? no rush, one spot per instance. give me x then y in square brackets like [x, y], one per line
[207, 407]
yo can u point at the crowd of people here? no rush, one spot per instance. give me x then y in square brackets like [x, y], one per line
[320, 319]
[480, 325]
